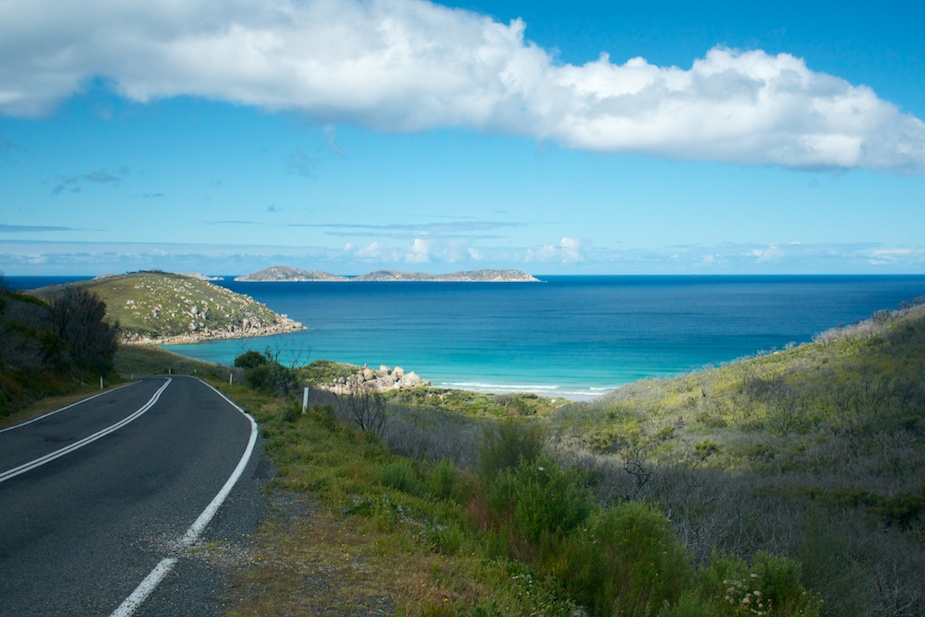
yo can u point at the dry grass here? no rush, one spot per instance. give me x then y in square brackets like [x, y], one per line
[312, 561]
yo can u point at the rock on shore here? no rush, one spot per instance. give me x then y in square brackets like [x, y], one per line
[383, 380]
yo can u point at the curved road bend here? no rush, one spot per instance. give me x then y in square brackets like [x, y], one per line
[80, 532]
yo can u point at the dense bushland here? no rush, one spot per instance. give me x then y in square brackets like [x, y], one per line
[51, 348]
[816, 452]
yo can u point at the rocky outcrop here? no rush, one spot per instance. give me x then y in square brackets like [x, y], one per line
[202, 277]
[199, 332]
[383, 380]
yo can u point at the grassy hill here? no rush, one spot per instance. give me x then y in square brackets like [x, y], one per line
[856, 393]
[162, 307]
[816, 452]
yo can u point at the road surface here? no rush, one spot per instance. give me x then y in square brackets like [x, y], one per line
[96, 497]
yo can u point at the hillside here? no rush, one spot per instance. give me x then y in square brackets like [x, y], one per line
[800, 404]
[816, 452]
[158, 307]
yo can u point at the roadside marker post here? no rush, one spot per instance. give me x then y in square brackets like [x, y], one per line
[305, 399]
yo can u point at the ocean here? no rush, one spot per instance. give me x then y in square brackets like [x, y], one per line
[571, 336]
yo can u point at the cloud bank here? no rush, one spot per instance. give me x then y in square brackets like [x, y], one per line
[32, 257]
[410, 65]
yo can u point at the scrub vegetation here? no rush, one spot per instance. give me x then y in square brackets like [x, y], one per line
[790, 484]
[51, 348]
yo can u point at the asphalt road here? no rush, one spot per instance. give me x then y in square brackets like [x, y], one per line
[79, 533]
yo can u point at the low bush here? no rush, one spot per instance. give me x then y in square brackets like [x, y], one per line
[509, 445]
[401, 475]
[625, 561]
[538, 502]
[770, 585]
[442, 481]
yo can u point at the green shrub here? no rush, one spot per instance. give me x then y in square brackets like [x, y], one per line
[400, 475]
[624, 562]
[325, 415]
[271, 378]
[442, 480]
[688, 605]
[508, 445]
[449, 539]
[770, 586]
[539, 500]
[250, 359]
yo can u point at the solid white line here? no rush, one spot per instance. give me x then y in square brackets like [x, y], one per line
[131, 604]
[12, 473]
[143, 590]
[192, 534]
[51, 413]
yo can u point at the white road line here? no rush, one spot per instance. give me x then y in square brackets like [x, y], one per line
[150, 583]
[143, 590]
[51, 413]
[12, 473]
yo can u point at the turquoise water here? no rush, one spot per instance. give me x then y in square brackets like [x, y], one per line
[576, 336]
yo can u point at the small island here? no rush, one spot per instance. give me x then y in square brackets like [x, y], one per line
[285, 274]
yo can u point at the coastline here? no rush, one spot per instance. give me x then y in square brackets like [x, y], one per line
[569, 389]
[287, 326]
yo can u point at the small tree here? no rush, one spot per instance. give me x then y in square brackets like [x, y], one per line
[250, 359]
[364, 407]
[79, 319]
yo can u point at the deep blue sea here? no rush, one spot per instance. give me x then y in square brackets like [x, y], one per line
[574, 336]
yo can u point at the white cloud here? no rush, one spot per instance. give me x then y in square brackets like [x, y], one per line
[407, 65]
[568, 251]
[370, 251]
[419, 252]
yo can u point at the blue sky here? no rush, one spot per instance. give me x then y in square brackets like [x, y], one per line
[228, 136]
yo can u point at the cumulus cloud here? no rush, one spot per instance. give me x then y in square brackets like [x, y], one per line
[410, 65]
[419, 252]
[567, 251]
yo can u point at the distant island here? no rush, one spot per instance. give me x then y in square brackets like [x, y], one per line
[285, 274]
